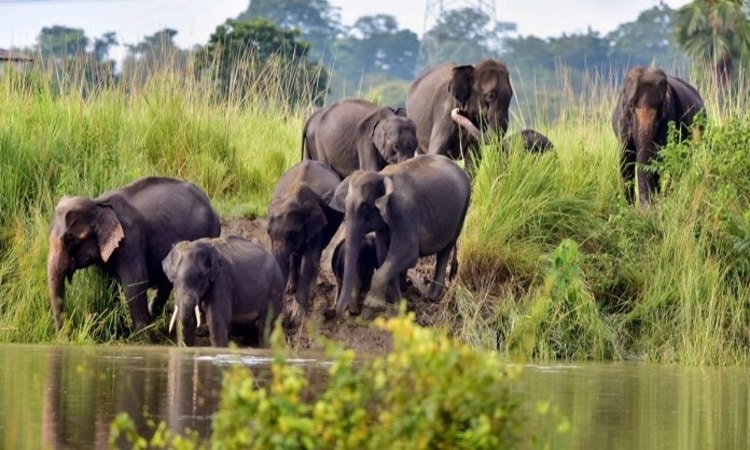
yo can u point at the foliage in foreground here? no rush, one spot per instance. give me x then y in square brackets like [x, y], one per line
[428, 392]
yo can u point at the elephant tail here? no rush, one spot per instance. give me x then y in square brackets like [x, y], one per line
[304, 150]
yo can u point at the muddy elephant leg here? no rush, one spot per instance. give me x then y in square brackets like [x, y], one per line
[627, 172]
[388, 275]
[435, 288]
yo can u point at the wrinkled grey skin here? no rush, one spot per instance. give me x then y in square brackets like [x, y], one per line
[366, 265]
[481, 92]
[356, 134]
[301, 224]
[533, 141]
[649, 100]
[235, 281]
[127, 231]
[416, 208]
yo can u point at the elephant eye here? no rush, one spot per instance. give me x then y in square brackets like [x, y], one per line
[490, 96]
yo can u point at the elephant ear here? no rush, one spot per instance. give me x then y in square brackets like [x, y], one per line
[461, 84]
[315, 220]
[170, 262]
[216, 263]
[336, 198]
[108, 231]
[383, 202]
[379, 137]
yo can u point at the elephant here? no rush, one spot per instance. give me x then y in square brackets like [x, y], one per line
[127, 231]
[479, 93]
[366, 265]
[649, 100]
[301, 225]
[416, 208]
[356, 134]
[234, 280]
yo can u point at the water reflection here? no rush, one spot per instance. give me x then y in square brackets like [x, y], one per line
[66, 397]
[55, 397]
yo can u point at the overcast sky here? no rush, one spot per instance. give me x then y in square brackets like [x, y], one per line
[195, 20]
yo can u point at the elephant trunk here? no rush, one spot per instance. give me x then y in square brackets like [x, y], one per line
[186, 309]
[645, 148]
[282, 253]
[354, 235]
[58, 268]
[465, 123]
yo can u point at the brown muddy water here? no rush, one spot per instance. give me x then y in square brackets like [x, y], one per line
[65, 397]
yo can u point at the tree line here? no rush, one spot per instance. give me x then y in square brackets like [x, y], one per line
[377, 58]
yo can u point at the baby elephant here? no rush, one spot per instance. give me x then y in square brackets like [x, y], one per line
[366, 265]
[235, 281]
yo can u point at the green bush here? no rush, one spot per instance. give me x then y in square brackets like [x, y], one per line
[429, 392]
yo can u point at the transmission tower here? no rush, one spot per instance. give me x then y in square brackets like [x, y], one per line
[435, 10]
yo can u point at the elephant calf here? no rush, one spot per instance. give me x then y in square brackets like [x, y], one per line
[301, 224]
[416, 208]
[533, 141]
[127, 231]
[356, 134]
[366, 265]
[235, 281]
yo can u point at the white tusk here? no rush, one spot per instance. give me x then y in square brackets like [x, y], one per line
[198, 315]
[173, 319]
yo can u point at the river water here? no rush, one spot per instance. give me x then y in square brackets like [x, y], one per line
[65, 397]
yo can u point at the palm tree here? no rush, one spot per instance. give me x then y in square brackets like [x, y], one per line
[714, 32]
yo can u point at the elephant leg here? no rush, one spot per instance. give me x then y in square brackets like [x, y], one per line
[135, 285]
[294, 268]
[435, 287]
[646, 176]
[388, 276]
[218, 327]
[627, 172]
[160, 299]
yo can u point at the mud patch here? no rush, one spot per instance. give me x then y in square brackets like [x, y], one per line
[353, 332]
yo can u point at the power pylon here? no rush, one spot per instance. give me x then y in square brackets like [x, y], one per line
[436, 9]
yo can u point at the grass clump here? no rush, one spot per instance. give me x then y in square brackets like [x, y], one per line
[428, 392]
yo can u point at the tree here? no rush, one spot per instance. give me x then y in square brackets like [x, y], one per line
[714, 33]
[461, 35]
[375, 49]
[62, 42]
[317, 21]
[257, 55]
[650, 38]
[154, 53]
[65, 51]
[102, 45]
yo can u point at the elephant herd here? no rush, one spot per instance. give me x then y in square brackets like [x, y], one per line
[387, 176]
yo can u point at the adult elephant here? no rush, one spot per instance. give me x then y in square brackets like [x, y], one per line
[479, 93]
[357, 134]
[128, 232]
[649, 100]
[416, 208]
[235, 281]
[301, 224]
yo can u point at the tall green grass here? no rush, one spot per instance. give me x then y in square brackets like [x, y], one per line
[554, 263]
